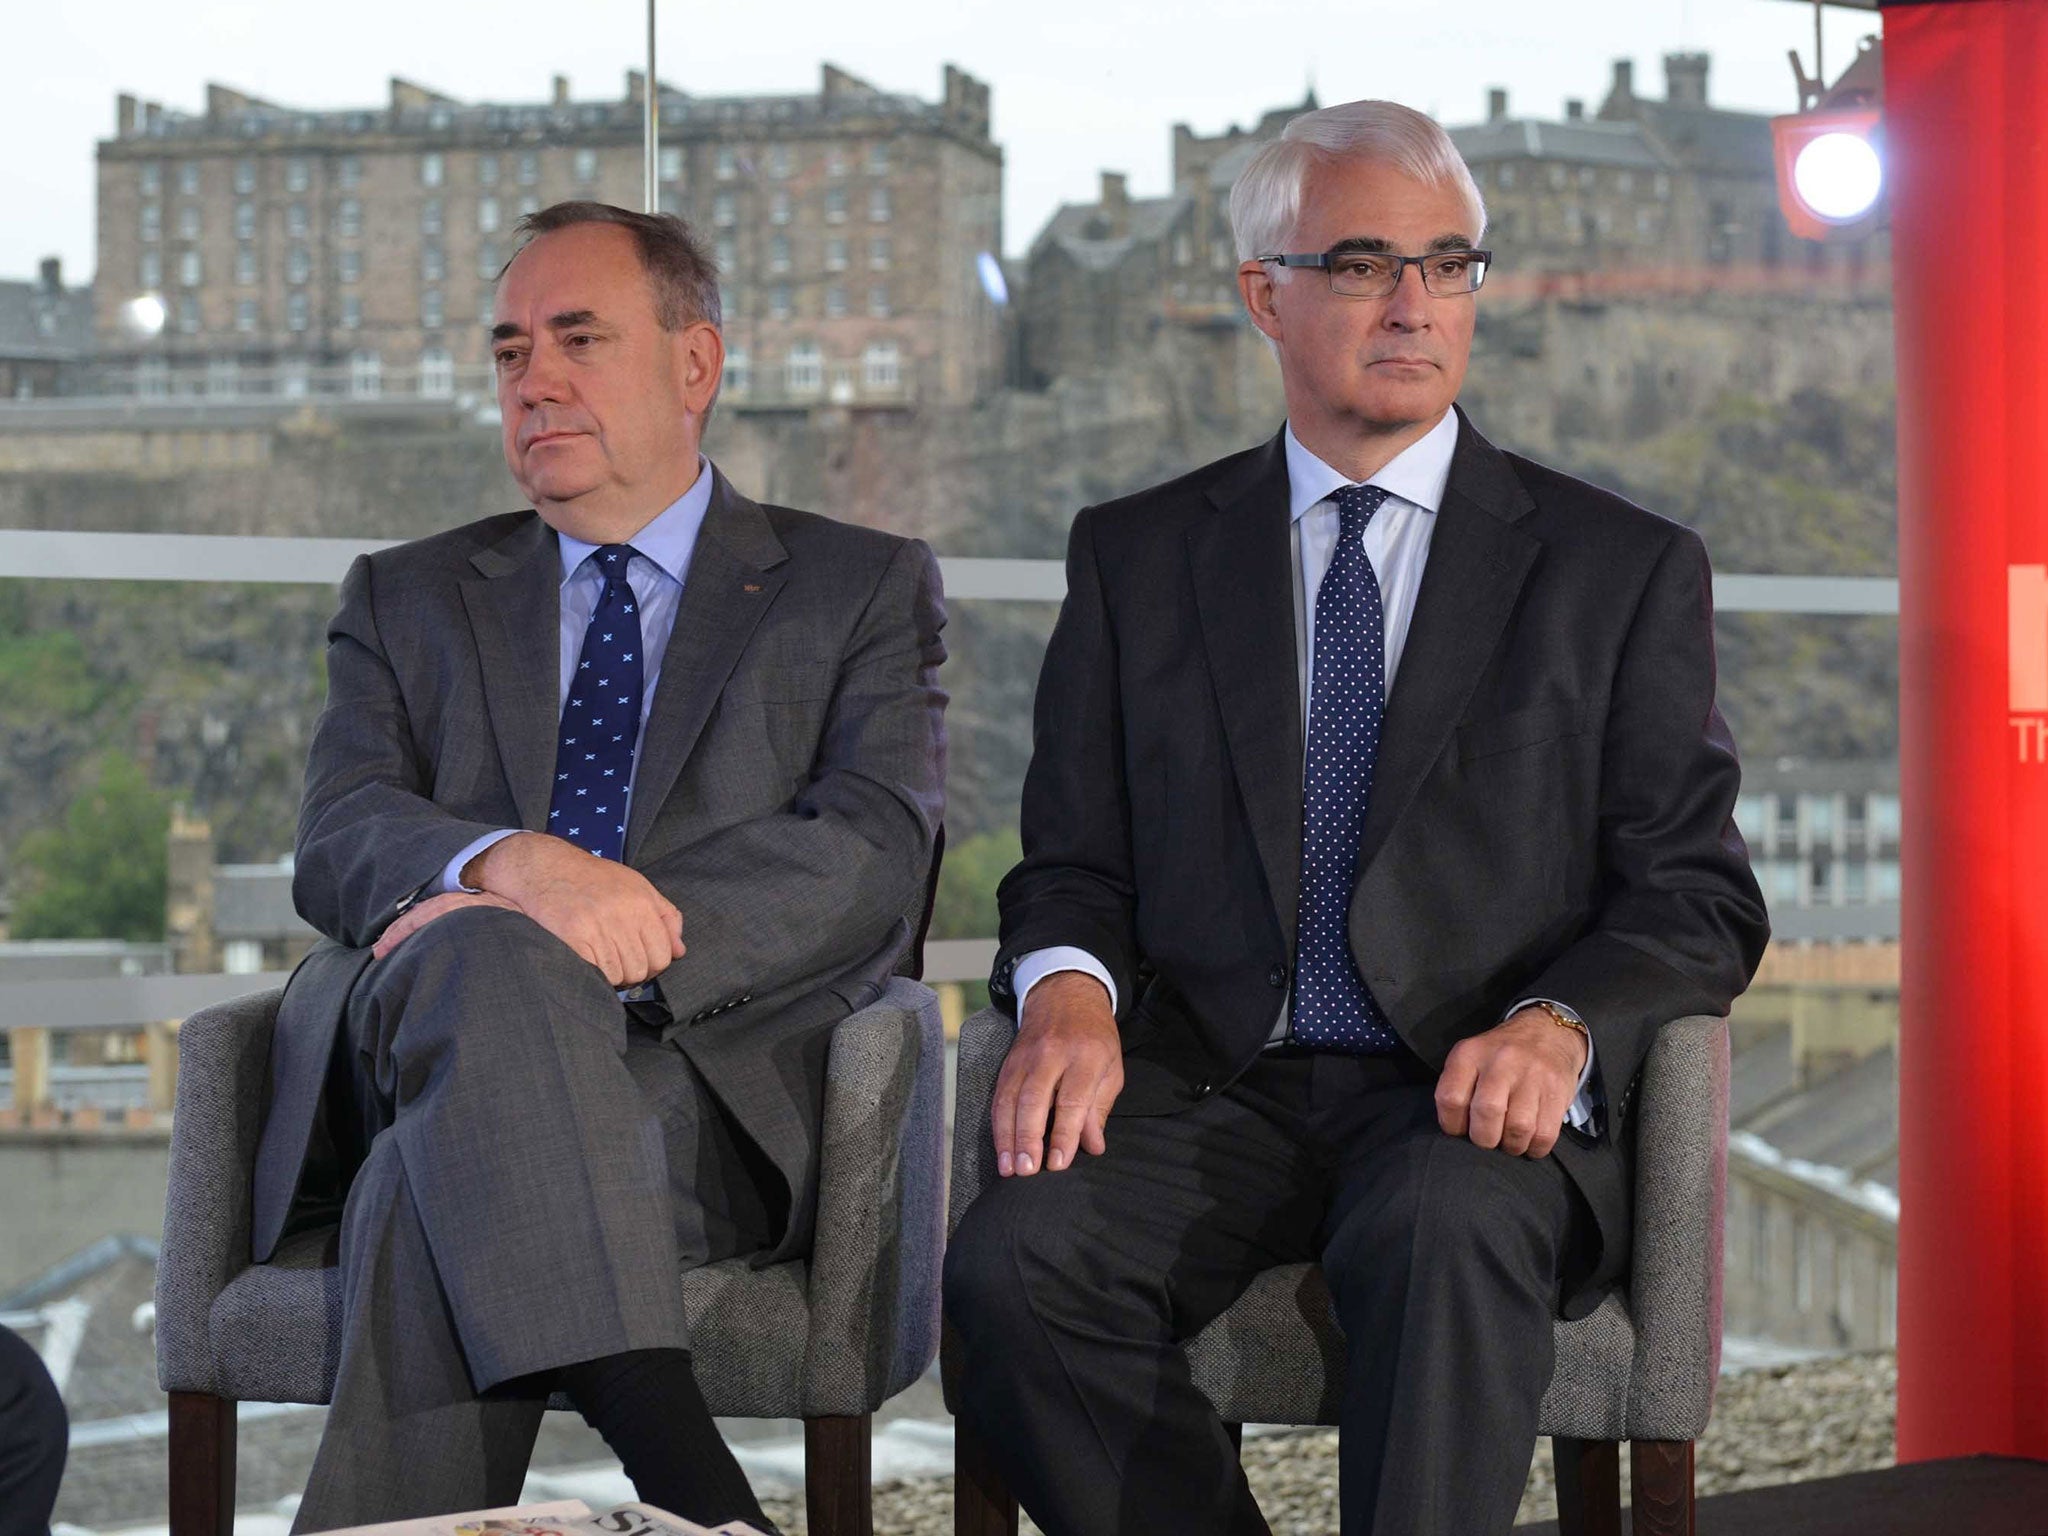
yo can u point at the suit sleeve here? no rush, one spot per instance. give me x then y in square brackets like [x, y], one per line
[815, 888]
[370, 835]
[1680, 925]
[1074, 885]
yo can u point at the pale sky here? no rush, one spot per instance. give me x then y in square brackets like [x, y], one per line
[1078, 85]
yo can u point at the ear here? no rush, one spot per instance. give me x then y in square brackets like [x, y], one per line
[700, 363]
[1255, 284]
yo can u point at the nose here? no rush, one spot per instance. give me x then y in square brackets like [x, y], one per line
[542, 380]
[1408, 306]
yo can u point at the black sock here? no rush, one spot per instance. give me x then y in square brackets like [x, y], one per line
[646, 1405]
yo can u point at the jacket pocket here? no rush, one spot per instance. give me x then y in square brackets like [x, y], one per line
[1518, 729]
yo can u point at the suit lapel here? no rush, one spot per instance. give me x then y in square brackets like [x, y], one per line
[515, 612]
[1240, 560]
[732, 580]
[1478, 561]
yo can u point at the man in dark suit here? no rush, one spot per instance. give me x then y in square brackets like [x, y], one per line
[1379, 813]
[616, 808]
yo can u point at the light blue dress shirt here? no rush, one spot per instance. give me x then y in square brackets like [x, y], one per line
[667, 544]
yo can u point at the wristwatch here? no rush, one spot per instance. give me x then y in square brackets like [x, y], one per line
[1558, 1015]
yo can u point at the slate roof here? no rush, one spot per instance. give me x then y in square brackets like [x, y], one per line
[1077, 230]
[38, 324]
[1587, 142]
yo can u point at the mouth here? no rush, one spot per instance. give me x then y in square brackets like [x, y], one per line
[1401, 362]
[546, 438]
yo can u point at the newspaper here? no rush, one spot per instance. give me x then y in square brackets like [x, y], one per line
[564, 1517]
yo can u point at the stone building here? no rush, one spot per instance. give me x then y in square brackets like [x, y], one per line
[258, 248]
[45, 335]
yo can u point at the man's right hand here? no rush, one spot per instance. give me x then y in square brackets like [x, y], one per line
[610, 915]
[1067, 1062]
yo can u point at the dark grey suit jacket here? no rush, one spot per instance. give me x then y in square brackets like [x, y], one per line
[1551, 811]
[786, 799]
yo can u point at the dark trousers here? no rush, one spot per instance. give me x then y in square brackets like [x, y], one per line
[536, 1172]
[34, 1436]
[1070, 1293]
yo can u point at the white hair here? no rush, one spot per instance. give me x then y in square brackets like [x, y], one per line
[1265, 204]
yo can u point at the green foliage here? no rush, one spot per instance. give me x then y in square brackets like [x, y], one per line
[966, 904]
[99, 875]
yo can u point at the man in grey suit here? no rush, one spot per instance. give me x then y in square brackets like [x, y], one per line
[616, 808]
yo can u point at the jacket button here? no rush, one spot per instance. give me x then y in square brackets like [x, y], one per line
[1277, 977]
[1203, 1089]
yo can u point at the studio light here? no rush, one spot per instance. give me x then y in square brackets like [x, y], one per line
[1831, 170]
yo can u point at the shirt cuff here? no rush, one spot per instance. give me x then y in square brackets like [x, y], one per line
[1033, 968]
[1585, 1106]
[451, 877]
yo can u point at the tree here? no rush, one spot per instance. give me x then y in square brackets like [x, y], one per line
[965, 906]
[99, 875]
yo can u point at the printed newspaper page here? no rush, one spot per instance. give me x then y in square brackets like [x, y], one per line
[565, 1517]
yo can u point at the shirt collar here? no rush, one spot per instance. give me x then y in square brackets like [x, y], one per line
[1417, 474]
[669, 540]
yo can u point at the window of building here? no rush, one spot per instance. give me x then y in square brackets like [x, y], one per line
[878, 254]
[835, 302]
[726, 253]
[152, 221]
[1884, 818]
[1506, 176]
[835, 205]
[245, 314]
[437, 372]
[245, 264]
[245, 221]
[241, 957]
[1183, 251]
[1559, 177]
[778, 253]
[671, 163]
[779, 303]
[779, 208]
[487, 260]
[670, 200]
[348, 219]
[487, 215]
[348, 266]
[188, 178]
[878, 302]
[881, 366]
[724, 211]
[348, 173]
[430, 216]
[1820, 817]
[878, 205]
[1646, 222]
[294, 377]
[1802, 1264]
[835, 160]
[365, 375]
[152, 271]
[486, 304]
[804, 369]
[188, 313]
[153, 378]
[529, 169]
[188, 269]
[1884, 880]
[727, 164]
[298, 174]
[245, 177]
[487, 170]
[1760, 1241]
[739, 372]
[1662, 185]
[835, 254]
[298, 264]
[432, 314]
[878, 159]
[433, 170]
[188, 222]
[1625, 181]
[1588, 177]
[586, 165]
[528, 204]
[733, 301]
[295, 221]
[779, 161]
[149, 180]
[433, 263]
[1845, 1288]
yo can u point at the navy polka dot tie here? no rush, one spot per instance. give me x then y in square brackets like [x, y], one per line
[1333, 1011]
[601, 717]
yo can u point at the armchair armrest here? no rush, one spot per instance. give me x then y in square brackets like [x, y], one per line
[223, 1061]
[874, 1280]
[984, 1042]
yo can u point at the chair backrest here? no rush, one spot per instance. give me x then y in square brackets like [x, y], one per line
[912, 964]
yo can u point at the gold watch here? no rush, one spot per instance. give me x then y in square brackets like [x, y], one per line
[1559, 1016]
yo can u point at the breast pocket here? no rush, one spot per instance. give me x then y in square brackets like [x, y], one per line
[782, 682]
[1519, 729]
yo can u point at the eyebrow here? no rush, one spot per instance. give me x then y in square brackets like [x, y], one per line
[1374, 245]
[568, 319]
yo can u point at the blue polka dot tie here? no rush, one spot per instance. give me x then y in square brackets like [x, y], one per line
[601, 717]
[1333, 1011]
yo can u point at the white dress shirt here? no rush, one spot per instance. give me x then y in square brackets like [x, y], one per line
[1397, 547]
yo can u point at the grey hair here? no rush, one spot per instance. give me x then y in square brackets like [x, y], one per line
[681, 271]
[1265, 204]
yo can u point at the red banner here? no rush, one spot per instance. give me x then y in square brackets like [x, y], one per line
[1966, 121]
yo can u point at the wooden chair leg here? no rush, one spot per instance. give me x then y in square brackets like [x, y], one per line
[838, 1475]
[202, 1465]
[1588, 1486]
[1661, 1487]
[982, 1502]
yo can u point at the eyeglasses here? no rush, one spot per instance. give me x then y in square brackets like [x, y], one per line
[1376, 274]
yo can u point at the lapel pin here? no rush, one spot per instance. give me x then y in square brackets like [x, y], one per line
[752, 586]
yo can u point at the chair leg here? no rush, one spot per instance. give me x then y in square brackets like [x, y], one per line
[838, 1482]
[1661, 1491]
[1588, 1486]
[982, 1502]
[202, 1464]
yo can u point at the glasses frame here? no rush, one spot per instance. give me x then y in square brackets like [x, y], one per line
[1321, 261]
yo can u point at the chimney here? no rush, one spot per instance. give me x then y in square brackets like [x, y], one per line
[1574, 110]
[1496, 105]
[1116, 202]
[561, 90]
[152, 114]
[1685, 79]
[126, 115]
[1621, 94]
[636, 85]
[53, 276]
[188, 903]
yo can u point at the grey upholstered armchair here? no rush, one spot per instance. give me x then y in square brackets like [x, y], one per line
[1640, 1368]
[827, 1340]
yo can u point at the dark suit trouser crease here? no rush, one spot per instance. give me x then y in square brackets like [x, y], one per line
[538, 1171]
[1070, 1293]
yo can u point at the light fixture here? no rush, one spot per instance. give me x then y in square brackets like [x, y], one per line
[1830, 154]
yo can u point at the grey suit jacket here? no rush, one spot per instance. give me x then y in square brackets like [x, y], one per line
[787, 796]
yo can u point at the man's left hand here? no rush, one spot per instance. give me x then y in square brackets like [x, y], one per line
[422, 913]
[1510, 1087]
